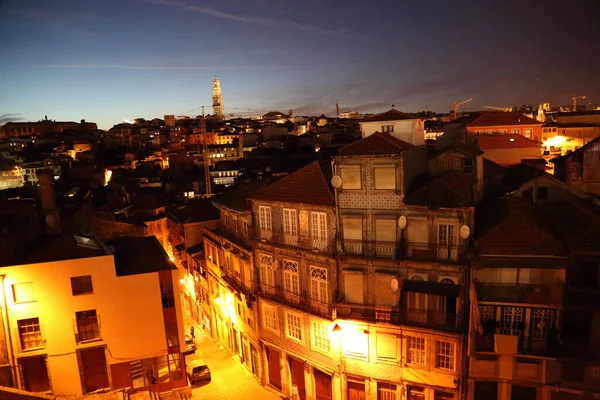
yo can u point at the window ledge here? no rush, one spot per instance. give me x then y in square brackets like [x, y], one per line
[89, 341]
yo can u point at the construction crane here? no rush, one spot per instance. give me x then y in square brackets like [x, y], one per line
[505, 109]
[453, 111]
[205, 155]
[574, 98]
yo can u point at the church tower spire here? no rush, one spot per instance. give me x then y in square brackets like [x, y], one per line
[218, 107]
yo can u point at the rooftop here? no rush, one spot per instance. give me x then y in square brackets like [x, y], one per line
[61, 248]
[237, 200]
[391, 115]
[449, 190]
[502, 119]
[505, 141]
[513, 227]
[195, 210]
[377, 144]
[308, 185]
[139, 255]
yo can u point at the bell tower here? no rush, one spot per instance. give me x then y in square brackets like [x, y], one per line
[218, 108]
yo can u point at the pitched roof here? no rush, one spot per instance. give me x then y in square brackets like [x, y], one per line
[505, 141]
[308, 185]
[574, 221]
[139, 255]
[377, 144]
[513, 227]
[391, 115]
[450, 190]
[578, 151]
[196, 210]
[502, 119]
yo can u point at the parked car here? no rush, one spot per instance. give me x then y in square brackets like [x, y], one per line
[197, 371]
[190, 345]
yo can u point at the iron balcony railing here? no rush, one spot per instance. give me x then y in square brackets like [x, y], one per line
[551, 294]
[541, 346]
[401, 316]
[294, 240]
[404, 250]
[300, 301]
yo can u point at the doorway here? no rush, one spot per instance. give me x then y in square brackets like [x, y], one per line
[356, 390]
[322, 385]
[34, 374]
[93, 368]
[297, 369]
[274, 368]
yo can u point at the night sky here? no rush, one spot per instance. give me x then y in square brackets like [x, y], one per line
[111, 60]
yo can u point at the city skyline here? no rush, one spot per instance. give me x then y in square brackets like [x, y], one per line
[145, 58]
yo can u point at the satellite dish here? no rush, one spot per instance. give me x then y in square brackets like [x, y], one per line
[50, 221]
[464, 232]
[336, 182]
[394, 285]
[402, 222]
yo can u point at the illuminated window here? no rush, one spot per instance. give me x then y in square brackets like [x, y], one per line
[293, 326]
[516, 131]
[319, 284]
[415, 348]
[290, 223]
[444, 355]
[320, 336]
[30, 334]
[387, 347]
[528, 133]
[81, 284]
[267, 273]
[23, 292]
[319, 230]
[355, 343]
[350, 177]
[290, 277]
[385, 177]
[387, 391]
[269, 316]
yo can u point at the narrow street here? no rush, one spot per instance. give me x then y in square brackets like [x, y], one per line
[230, 380]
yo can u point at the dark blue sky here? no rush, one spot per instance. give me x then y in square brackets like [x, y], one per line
[110, 60]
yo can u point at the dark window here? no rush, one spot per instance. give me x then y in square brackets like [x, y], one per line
[88, 327]
[167, 295]
[30, 333]
[542, 193]
[519, 392]
[486, 391]
[81, 284]
[467, 166]
[572, 372]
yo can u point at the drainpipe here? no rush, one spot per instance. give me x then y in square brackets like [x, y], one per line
[7, 335]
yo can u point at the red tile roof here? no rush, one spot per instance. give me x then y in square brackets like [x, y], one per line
[391, 115]
[308, 185]
[502, 119]
[377, 144]
[505, 141]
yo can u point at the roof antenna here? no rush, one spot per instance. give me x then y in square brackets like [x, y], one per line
[393, 105]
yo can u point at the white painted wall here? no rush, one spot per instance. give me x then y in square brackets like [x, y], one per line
[130, 311]
[408, 130]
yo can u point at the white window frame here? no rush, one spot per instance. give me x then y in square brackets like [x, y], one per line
[265, 221]
[445, 353]
[291, 283]
[318, 229]
[387, 128]
[515, 131]
[413, 346]
[290, 221]
[528, 133]
[323, 345]
[319, 287]
[448, 248]
[25, 290]
[267, 270]
[293, 316]
[272, 317]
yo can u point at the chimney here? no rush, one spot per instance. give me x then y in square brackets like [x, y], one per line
[52, 217]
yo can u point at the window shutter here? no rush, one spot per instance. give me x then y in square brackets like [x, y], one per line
[385, 177]
[350, 177]
[417, 231]
[353, 287]
[385, 230]
[352, 228]
[385, 297]
[387, 347]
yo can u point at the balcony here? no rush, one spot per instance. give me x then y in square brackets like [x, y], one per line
[551, 294]
[489, 342]
[403, 250]
[369, 248]
[300, 301]
[396, 316]
[287, 239]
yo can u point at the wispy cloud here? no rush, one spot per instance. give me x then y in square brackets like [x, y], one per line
[14, 117]
[173, 67]
[259, 20]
